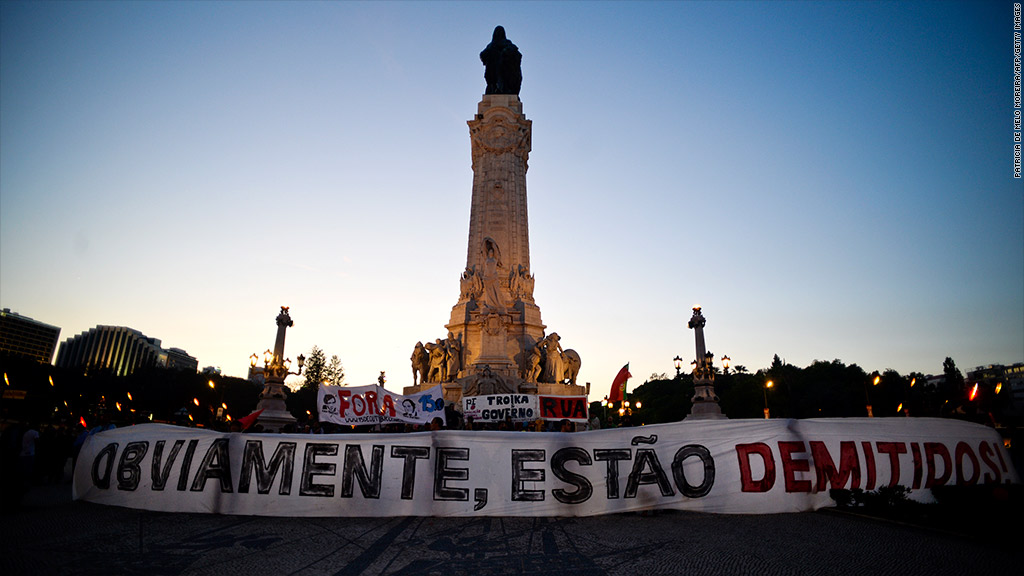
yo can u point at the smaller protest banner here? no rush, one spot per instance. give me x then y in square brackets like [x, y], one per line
[498, 407]
[571, 408]
[368, 405]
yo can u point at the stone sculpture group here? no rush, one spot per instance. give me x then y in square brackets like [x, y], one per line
[437, 361]
[441, 361]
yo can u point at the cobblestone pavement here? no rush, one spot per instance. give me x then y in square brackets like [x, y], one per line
[53, 535]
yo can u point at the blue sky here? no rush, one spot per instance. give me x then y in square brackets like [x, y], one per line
[828, 180]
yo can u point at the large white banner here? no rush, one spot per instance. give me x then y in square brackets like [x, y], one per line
[362, 405]
[724, 466]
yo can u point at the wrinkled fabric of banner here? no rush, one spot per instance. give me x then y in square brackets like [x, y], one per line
[720, 466]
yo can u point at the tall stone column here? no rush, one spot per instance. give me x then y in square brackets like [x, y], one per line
[275, 413]
[496, 316]
[705, 401]
[501, 140]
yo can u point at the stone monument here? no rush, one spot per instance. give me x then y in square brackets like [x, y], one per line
[274, 413]
[705, 401]
[496, 340]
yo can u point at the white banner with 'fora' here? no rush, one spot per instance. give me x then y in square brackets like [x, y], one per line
[368, 405]
[724, 466]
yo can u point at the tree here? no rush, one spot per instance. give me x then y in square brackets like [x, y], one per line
[952, 390]
[954, 379]
[316, 368]
[335, 373]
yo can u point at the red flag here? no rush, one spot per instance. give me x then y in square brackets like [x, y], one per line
[249, 420]
[619, 384]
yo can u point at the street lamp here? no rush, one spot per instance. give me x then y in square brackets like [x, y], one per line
[725, 363]
[604, 404]
[767, 385]
[679, 364]
[867, 395]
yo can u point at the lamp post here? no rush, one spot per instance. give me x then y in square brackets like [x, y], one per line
[725, 364]
[275, 413]
[767, 385]
[867, 395]
[604, 404]
[679, 364]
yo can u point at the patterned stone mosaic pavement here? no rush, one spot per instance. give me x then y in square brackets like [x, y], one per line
[51, 534]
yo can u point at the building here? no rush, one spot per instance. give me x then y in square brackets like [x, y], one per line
[120, 350]
[23, 336]
[256, 375]
[178, 359]
[1005, 379]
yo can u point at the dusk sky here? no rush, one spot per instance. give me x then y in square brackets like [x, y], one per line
[827, 180]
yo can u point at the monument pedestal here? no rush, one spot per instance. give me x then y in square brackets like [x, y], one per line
[274, 420]
[705, 403]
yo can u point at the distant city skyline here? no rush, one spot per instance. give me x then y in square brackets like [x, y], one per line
[828, 180]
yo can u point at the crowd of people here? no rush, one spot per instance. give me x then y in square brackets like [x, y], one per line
[34, 453]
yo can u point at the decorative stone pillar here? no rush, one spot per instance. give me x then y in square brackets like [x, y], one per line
[275, 413]
[496, 315]
[705, 401]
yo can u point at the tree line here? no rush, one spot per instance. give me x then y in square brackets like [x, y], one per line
[43, 392]
[822, 390]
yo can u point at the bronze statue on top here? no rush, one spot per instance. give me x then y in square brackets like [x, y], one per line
[502, 61]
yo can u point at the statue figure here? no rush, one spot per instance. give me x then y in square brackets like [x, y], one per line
[470, 284]
[554, 363]
[502, 65]
[520, 283]
[437, 361]
[532, 372]
[420, 363]
[572, 365]
[485, 383]
[494, 300]
[454, 350]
